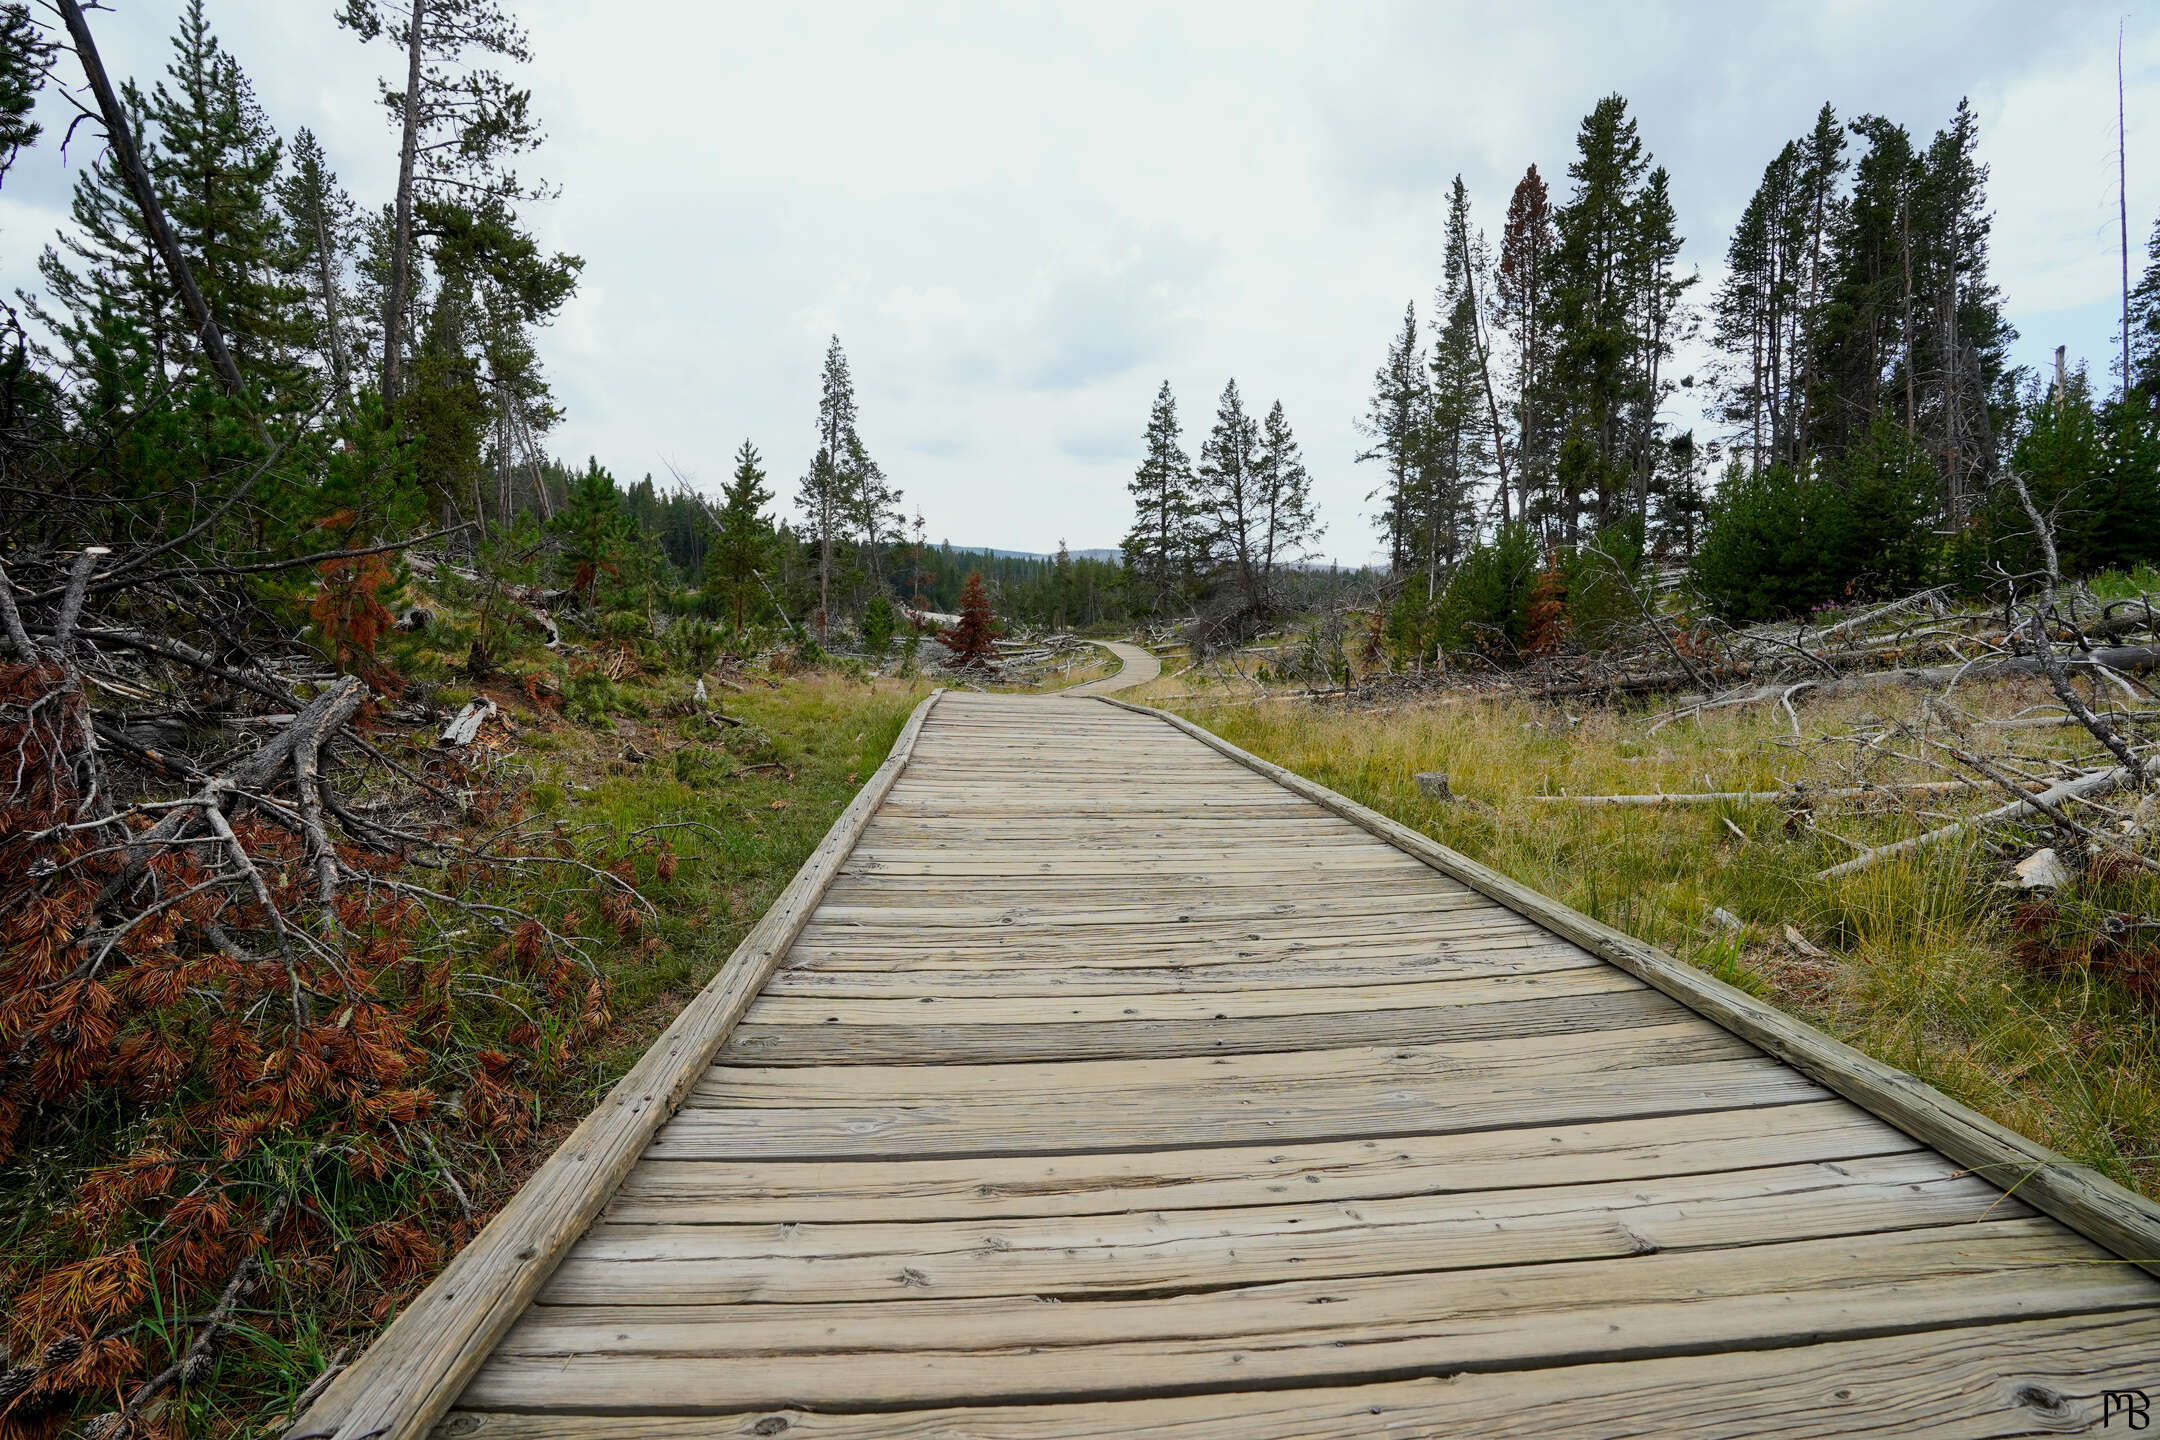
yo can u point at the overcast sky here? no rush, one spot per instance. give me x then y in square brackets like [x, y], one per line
[1020, 221]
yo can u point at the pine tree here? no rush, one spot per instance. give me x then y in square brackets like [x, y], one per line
[2145, 331]
[1229, 500]
[459, 126]
[1158, 548]
[1061, 580]
[1661, 319]
[1469, 263]
[1459, 446]
[594, 529]
[873, 508]
[1963, 338]
[1823, 163]
[25, 59]
[1523, 311]
[216, 168]
[745, 540]
[320, 224]
[1754, 308]
[1287, 525]
[822, 496]
[829, 493]
[1681, 503]
[444, 407]
[113, 310]
[1863, 347]
[1595, 367]
[1395, 428]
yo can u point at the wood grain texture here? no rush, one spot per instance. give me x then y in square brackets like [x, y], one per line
[410, 1375]
[1983, 1382]
[1137, 1039]
[2078, 1195]
[1314, 1331]
[739, 1192]
[1148, 1252]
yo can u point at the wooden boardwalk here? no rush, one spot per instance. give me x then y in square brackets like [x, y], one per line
[1106, 1085]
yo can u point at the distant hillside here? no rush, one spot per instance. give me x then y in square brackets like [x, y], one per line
[1112, 557]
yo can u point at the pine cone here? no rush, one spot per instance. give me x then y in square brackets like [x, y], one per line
[14, 1382]
[64, 1350]
[104, 1427]
[197, 1367]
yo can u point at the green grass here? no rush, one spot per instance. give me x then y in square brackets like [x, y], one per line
[1921, 971]
[739, 837]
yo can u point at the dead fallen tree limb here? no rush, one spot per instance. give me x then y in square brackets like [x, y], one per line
[2082, 787]
[1867, 618]
[2131, 659]
[1794, 797]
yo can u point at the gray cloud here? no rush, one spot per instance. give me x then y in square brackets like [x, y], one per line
[1020, 221]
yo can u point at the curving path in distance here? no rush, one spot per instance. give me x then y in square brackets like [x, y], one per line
[1141, 666]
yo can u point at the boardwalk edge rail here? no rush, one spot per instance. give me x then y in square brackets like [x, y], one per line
[2077, 1195]
[410, 1376]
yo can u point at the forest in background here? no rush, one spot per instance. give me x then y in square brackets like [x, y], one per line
[1529, 480]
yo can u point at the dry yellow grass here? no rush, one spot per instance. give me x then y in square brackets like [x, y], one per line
[1919, 970]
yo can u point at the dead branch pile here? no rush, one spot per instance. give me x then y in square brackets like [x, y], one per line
[298, 963]
[1922, 640]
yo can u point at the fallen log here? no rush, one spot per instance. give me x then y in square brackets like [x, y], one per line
[2079, 787]
[2121, 658]
[2056, 722]
[1795, 797]
[2128, 659]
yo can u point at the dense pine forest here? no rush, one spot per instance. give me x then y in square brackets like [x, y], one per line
[1861, 411]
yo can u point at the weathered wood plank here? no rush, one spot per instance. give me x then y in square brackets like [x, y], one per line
[928, 1008]
[1162, 1253]
[1985, 1382]
[970, 1046]
[1320, 1113]
[825, 971]
[1214, 1177]
[1309, 1332]
[1171, 1085]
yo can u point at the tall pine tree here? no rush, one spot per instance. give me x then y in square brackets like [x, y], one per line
[1287, 524]
[1158, 548]
[1230, 501]
[217, 165]
[1524, 313]
[1395, 427]
[1595, 367]
[744, 544]
[827, 493]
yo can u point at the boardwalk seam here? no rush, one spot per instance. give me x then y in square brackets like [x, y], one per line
[2077, 1195]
